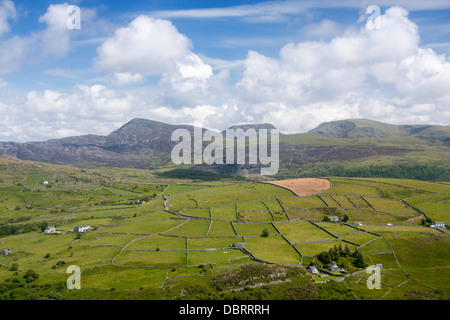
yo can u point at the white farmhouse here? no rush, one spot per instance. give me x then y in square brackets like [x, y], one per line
[82, 229]
[438, 225]
[50, 229]
[5, 252]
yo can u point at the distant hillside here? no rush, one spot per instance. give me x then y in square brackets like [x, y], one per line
[352, 147]
[359, 128]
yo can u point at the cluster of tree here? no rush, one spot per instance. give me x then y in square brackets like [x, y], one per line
[194, 174]
[333, 254]
[8, 229]
[400, 171]
[426, 172]
[426, 222]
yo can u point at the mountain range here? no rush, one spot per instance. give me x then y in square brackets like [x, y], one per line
[146, 144]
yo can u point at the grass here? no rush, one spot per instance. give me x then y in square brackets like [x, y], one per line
[236, 193]
[302, 202]
[336, 228]
[281, 251]
[244, 229]
[338, 187]
[147, 227]
[311, 249]
[193, 228]
[384, 228]
[221, 229]
[214, 257]
[302, 231]
[224, 213]
[208, 243]
[389, 205]
[152, 258]
[159, 240]
[172, 189]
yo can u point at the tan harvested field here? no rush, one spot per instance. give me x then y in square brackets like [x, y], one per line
[305, 186]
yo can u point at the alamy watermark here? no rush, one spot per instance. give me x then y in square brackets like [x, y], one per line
[73, 21]
[230, 148]
[374, 20]
[374, 280]
[74, 281]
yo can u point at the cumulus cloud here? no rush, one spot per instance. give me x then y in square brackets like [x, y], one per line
[7, 12]
[149, 46]
[146, 45]
[352, 75]
[381, 74]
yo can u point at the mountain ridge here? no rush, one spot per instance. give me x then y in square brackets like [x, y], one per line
[146, 144]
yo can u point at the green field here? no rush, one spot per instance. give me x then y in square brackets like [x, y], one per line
[214, 236]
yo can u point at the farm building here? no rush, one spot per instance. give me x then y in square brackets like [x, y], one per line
[82, 229]
[333, 218]
[333, 267]
[5, 252]
[312, 269]
[45, 182]
[50, 229]
[438, 225]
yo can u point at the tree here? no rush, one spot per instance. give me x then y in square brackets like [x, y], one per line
[265, 233]
[31, 276]
[324, 257]
[347, 251]
[341, 251]
[359, 259]
[345, 219]
[44, 226]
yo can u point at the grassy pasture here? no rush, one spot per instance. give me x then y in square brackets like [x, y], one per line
[389, 205]
[236, 193]
[203, 212]
[158, 242]
[384, 228]
[221, 229]
[208, 243]
[251, 206]
[311, 249]
[193, 228]
[147, 227]
[172, 189]
[260, 216]
[358, 238]
[336, 228]
[302, 231]
[344, 202]
[338, 187]
[302, 202]
[214, 257]
[224, 213]
[281, 251]
[244, 229]
[152, 258]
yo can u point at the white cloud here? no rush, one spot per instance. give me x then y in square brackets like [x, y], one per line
[56, 37]
[356, 74]
[13, 52]
[146, 45]
[126, 78]
[324, 28]
[7, 12]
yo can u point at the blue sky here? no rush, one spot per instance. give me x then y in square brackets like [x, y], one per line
[295, 64]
